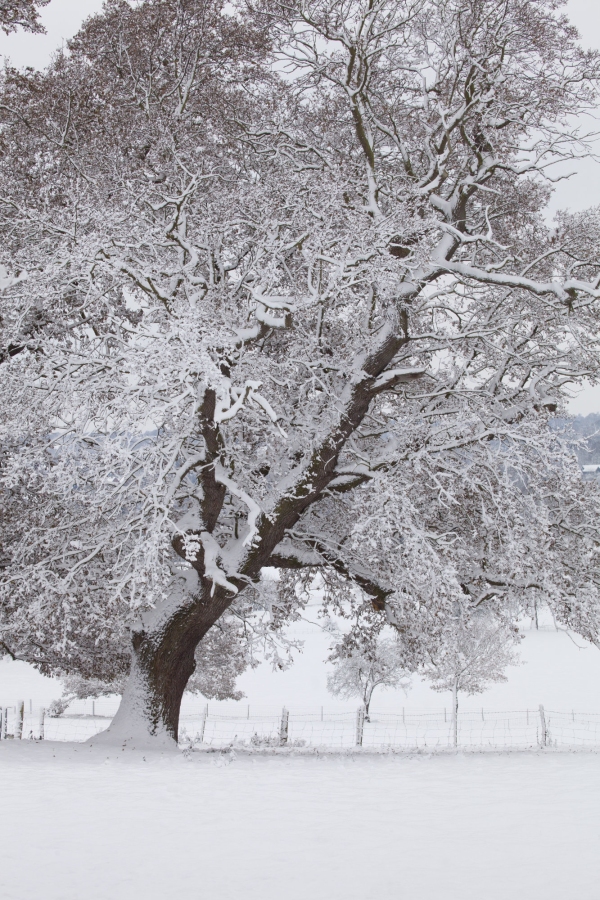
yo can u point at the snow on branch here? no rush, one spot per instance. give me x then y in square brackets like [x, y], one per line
[212, 552]
[394, 377]
[254, 510]
[227, 410]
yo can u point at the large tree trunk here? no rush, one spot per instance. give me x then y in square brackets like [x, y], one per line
[162, 661]
[148, 714]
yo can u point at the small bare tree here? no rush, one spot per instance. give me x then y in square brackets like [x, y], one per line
[359, 671]
[472, 653]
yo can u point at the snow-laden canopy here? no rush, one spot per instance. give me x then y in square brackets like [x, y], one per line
[279, 292]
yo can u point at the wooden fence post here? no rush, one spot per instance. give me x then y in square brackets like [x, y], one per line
[20, 713]
[360, 725]
[284, 727]
[4, 722]
[544, 729]
[203, 724]
[41, 723]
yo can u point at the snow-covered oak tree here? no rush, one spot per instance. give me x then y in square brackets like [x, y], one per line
[358, 673]
[24, 14]
[283, 296]
[474, 653]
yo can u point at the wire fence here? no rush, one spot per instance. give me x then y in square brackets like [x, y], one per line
[403, 730]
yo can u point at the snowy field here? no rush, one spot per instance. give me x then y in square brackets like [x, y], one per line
[77, 825]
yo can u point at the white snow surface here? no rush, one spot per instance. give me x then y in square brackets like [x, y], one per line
[78, 824]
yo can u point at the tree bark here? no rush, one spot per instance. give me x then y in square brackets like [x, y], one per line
[149, 709]
[367, 703]
[162, 661]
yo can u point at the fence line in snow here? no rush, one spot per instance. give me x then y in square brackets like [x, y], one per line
[405, 729]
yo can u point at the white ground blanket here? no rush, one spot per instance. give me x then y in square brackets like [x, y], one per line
[76, 825]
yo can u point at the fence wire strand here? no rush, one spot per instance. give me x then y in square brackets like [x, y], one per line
[506, 729]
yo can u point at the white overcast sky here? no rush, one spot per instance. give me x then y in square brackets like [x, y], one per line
[62, 18]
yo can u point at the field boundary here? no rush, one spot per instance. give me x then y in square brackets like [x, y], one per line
[297, 729]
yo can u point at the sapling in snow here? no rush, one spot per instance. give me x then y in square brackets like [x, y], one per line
[473, 653]
[359, 671]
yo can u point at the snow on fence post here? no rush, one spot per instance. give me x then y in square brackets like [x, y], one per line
[360, 725]
[41, 723]
[544, 730]
[20, 711]
[203, 724]
[284, 727]
[4, 722]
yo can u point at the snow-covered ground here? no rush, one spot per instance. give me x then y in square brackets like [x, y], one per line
[79, 825]
[76, 825]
